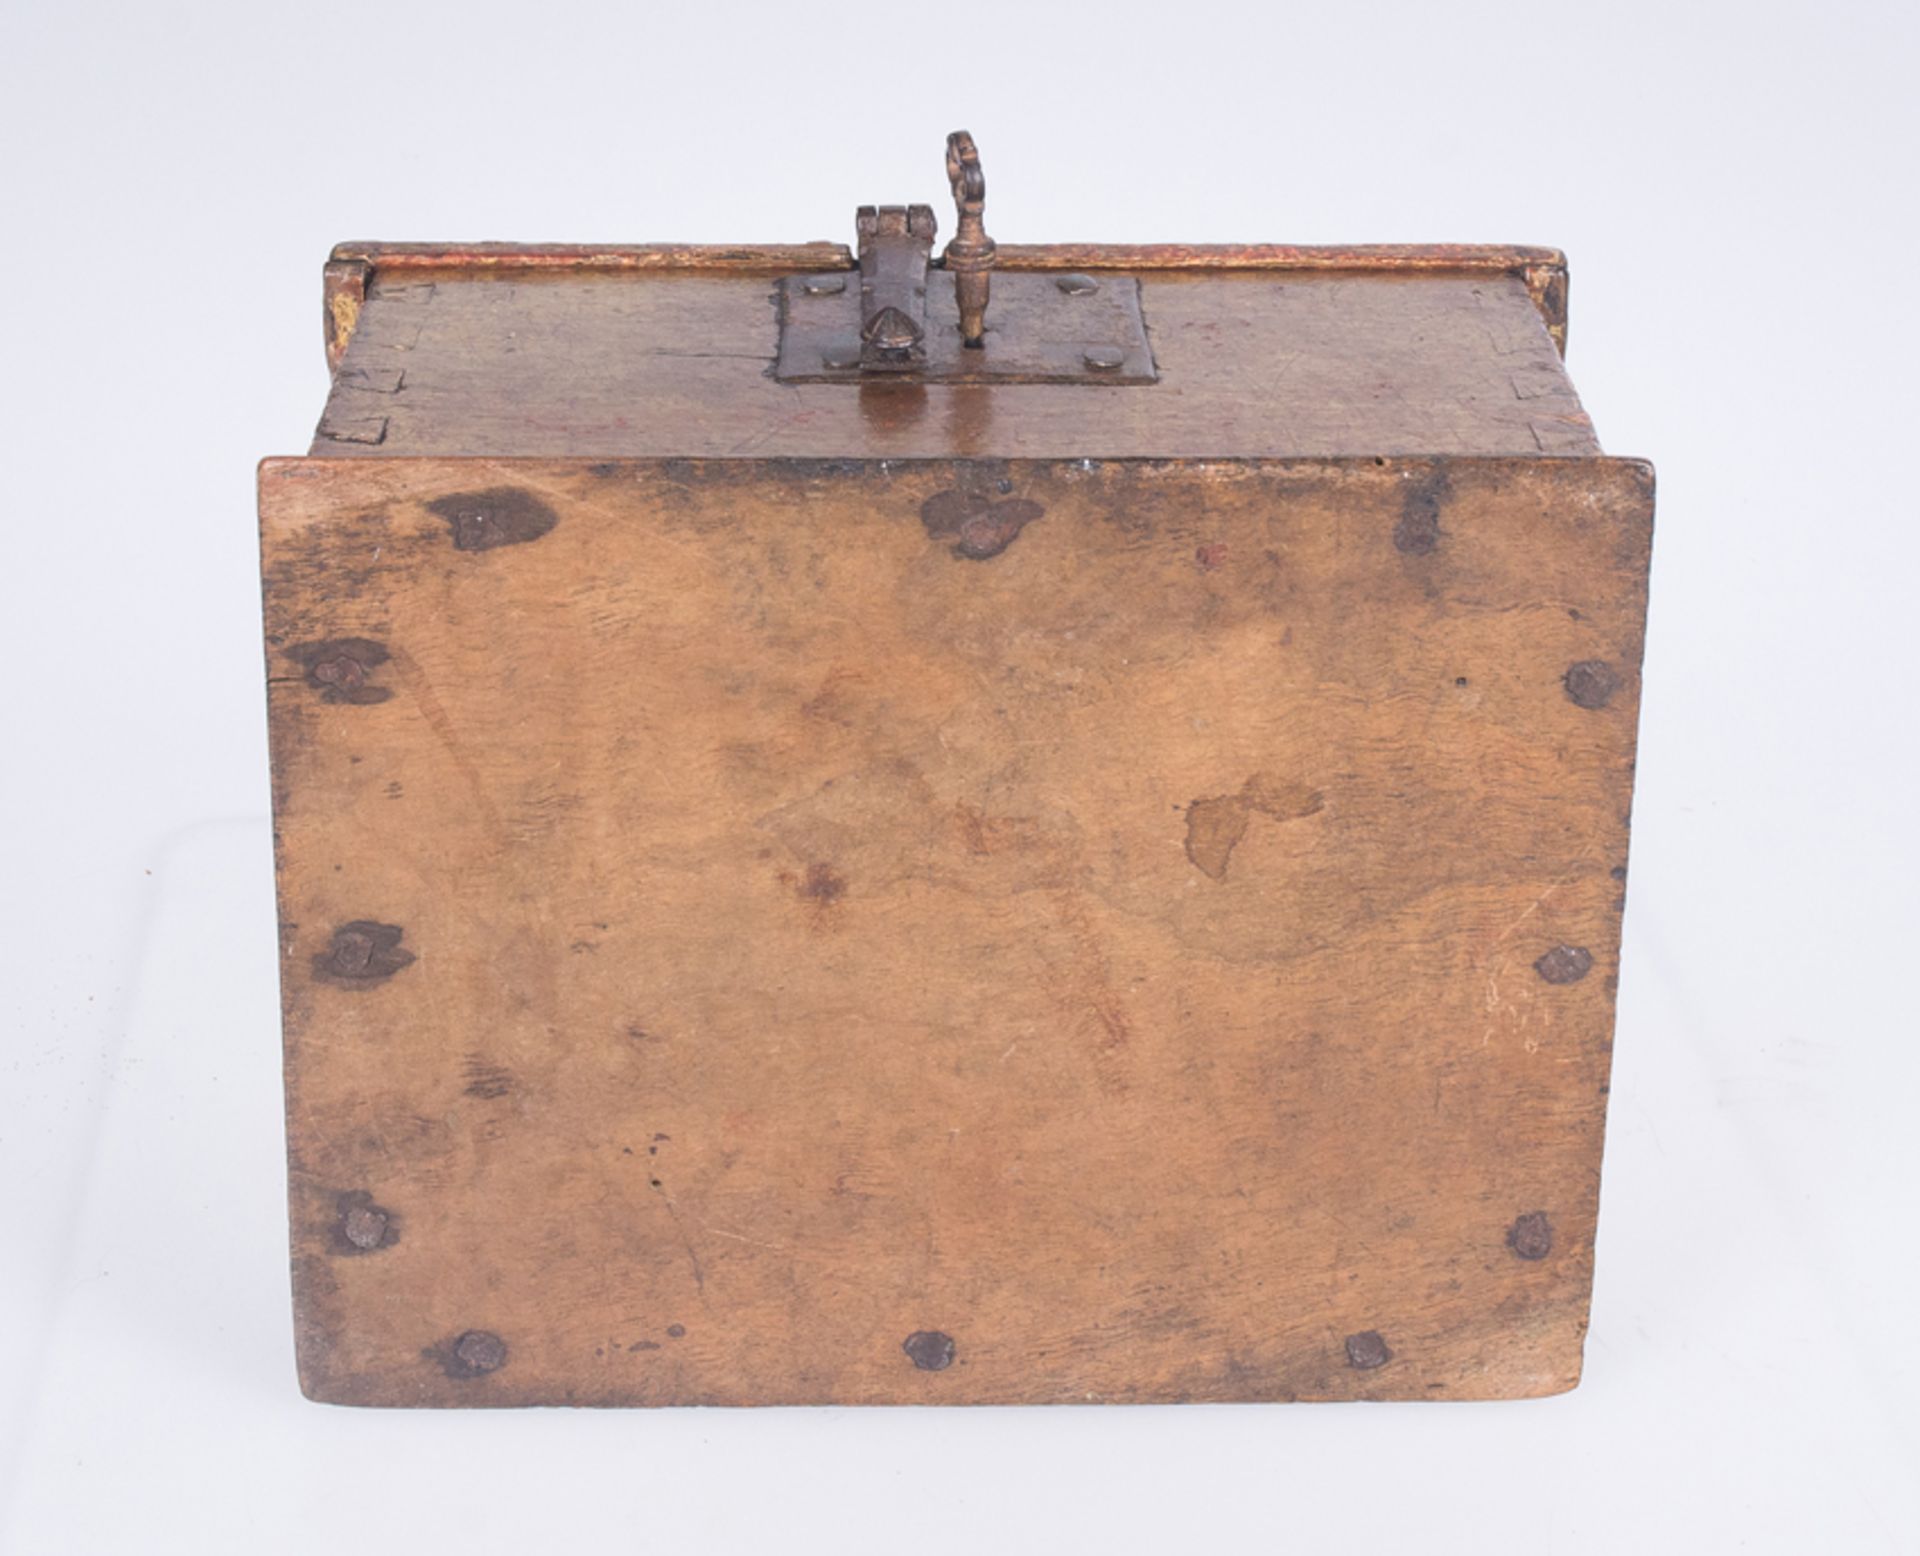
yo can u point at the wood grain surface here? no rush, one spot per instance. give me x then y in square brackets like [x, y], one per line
[947, 930]
[676, 363]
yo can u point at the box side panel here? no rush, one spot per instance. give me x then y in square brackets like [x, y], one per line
[1251, 363]
[772, 931]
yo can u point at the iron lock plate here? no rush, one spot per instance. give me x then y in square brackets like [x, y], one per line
[1044, 328]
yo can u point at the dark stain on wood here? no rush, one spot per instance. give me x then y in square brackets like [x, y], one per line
[980, 525]
[1418, 532]
[1215, 826]
[342, 669]
[929, 1350]
[498, 516]
[484, 1080]
[1531, 1235]
[361, 954]
[823, 884]
[1565, 964]
[1591, 683]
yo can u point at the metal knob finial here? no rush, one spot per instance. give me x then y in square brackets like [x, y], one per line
[970, 254]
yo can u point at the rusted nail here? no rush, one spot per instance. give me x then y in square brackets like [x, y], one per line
[676, 1331]
[341, 669]
[1591, 683]
[1077, 285]
[824, 286]
[1103, 359]
[363, 1226]
[929, 1350]
[475, 1354]
[1565, 964]
[1531, 1236]
[1367, 1350]
[980, 525]
[362, 953]
[498, 516]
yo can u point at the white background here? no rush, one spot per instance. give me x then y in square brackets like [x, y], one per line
[1735, 185]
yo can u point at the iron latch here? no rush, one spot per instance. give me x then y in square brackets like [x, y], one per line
[896, 242]
[901, 323]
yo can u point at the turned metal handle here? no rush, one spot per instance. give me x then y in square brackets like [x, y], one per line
[971, 253]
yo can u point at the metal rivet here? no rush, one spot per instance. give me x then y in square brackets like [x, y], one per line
[342, 670]
[824, 286]
[1103, 359]
[1565, 964]
[1591, 683]
[1077, 286]
[842, 354]
[929, 1350]
[1367, 1350]
[477, 1353]
[1531, 1236]
[363, 953]
[365, 1226]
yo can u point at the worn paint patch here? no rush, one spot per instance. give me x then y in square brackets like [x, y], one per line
[1565, 964]
[343, 669]
[1418, 531]
[1215, 826]
[1531, 1235]
[363, 1226]
[980, 525]
[361, 954]
[498, 516]
[473, 1354]
[1368, 1350]
[929, 1350]
[1591, 683]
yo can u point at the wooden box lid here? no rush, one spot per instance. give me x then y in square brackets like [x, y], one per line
[671, 351]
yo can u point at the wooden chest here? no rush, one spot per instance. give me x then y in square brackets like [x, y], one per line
[821, 864]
